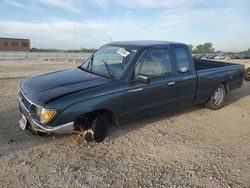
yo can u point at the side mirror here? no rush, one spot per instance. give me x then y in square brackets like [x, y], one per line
[143, 79]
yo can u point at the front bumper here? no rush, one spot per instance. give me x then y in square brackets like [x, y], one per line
[35, 127]
[67, 128]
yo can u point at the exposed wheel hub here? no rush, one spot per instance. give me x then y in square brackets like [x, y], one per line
[218, 96]
[248, 75]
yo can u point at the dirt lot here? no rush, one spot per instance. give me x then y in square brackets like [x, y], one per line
[195, 147]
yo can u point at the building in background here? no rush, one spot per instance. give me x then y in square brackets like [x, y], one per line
[14, 44]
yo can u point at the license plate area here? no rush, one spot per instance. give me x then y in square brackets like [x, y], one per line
[23, 122]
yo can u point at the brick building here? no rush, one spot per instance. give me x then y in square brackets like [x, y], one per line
[14, 44]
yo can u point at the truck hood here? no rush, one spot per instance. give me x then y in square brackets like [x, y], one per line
[47, 87]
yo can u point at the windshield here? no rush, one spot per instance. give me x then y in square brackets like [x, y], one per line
[110, 61]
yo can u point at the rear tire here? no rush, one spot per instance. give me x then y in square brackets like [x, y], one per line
[247, 74]
[98, 129]
[217, 99]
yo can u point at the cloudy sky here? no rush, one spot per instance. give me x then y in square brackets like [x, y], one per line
[69, 24]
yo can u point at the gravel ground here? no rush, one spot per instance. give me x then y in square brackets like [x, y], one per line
[195, 147]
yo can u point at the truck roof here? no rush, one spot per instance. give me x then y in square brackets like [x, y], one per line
[143, 43]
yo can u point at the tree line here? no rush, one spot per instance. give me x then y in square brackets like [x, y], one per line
[207, 48]
[89, 50]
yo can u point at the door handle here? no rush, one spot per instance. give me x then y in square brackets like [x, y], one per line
[135, 90]
[171, 83]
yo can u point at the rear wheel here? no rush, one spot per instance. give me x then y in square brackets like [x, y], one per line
[247, 74]
[217, 99]
[98, 128]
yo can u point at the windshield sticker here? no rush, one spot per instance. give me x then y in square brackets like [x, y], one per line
[123, 52]
[184, 69]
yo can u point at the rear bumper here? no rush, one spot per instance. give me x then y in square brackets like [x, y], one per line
[35, 127]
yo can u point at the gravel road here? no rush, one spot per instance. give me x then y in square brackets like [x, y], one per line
[195, 147]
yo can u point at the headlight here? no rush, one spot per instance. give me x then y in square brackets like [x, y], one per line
[47, 115]
[44, 115]
[38, 111]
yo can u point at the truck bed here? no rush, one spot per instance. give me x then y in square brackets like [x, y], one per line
[212, 73]
[208, 64]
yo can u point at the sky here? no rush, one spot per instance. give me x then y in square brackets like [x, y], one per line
[73, 24]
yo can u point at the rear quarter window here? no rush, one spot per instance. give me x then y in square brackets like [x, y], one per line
[182, 59]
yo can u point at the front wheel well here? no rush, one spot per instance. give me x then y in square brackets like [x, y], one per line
[83, 120]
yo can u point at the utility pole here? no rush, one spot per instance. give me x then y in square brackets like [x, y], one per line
[74, 43]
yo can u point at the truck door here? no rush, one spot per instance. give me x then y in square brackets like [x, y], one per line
[160, 93]
[187, 76]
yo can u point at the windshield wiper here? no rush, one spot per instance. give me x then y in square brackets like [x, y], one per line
[108, 68]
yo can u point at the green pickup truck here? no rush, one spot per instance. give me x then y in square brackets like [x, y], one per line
[120, 81]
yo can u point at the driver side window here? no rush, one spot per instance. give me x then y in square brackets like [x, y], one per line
[154, 63]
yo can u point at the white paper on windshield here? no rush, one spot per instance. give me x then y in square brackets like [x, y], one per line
[123, 52]
[184, 69]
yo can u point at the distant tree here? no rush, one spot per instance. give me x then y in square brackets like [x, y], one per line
[91, 50]
[204, 48]
[209, 47]
[245, 51]
[33, 49]
[199, 49]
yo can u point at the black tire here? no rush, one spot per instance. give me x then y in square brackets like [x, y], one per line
[98, 129]
[217, 99]
[247, 74]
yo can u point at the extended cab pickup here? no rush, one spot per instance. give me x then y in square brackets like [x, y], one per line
[120, 81]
